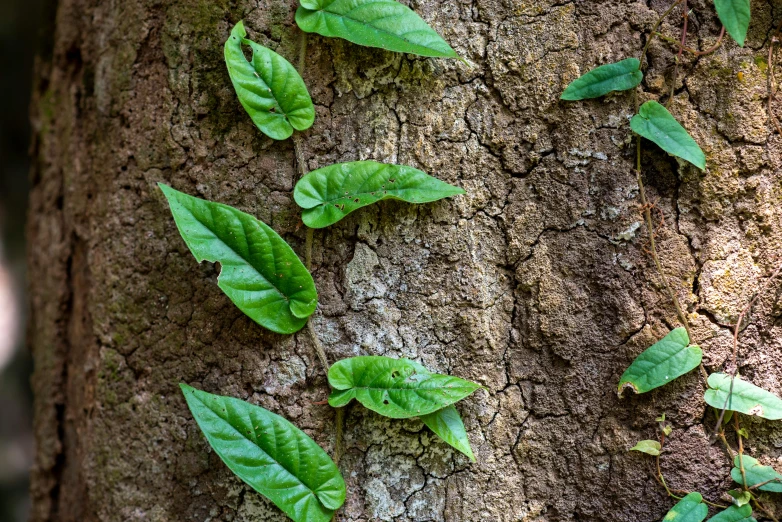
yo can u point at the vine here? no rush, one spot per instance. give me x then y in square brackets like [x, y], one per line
[263, 276]
[674, 355]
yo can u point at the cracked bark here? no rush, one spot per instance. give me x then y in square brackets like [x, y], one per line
[535, 283]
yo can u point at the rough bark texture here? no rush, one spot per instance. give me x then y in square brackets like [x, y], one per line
[535, 283]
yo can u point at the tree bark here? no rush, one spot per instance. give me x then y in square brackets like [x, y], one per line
[535, 284]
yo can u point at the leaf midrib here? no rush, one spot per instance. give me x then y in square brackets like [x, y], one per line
[611, 79]
[244, 231]
[324, 10]
[277, 462]
[672, 356]
[360, 192]
[282, 112]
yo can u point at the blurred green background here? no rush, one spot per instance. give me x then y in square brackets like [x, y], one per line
[23, 33]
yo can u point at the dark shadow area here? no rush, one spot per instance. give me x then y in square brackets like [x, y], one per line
[20, 37]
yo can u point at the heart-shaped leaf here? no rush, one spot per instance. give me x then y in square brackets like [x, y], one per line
[260, 273]
[386, 24]
[396, 388]
[269, 88]
[273, 456]
[655, 123]
[448, 425]
[330, 193]
[756, 473]
[689, 509]
[746, 398]
[650, 447]
[664, 361]
[619, 76]
[735, 16]
[733, 514]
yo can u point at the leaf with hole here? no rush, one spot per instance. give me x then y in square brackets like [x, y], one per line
[619, 76]
[661, 363]
[756, 473]
[746, 397]
[448, 425]
[655, 123]
[689, 509]
[733, 514]
[650, 447]
[396, 388]
[386, 24]
[735, 16]
[269, 88]
[330, 193]
[260, 273]
[273, 456]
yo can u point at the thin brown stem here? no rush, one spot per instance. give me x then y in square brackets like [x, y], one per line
[339, 417]
[682, 43]
[696, 52]
[654, 30]
[734, 367]
[653, 245]
[764, 509]
[761, 484]
[731, 451]
[741, 450]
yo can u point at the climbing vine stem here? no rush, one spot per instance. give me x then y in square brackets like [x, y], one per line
[339, 417]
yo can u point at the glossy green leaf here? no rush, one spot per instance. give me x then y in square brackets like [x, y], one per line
[664, 361]
[740, 497]
[756, 473]
[746, 398]
[260, 273]
[650, 447]
[619, 76]
[448, 425]
[273, 456]
[733, 514]
[396, 388]
[655, 123]
[330, 193]
[689, 509]
[386, 24]
[735, 16]
[269, 88]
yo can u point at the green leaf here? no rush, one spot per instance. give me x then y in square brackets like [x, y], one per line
[655, 123]
[735, 16]
[260, 273]
[448, 425]
[756, 473]
[386, 24]
[619, 76]
[330, 193]
[661, 363]
[746, 398]
[733, 514]
[269, 88]
[650, 447]
[740, 497]
[273, 456]
[689, 509]
[396, 388]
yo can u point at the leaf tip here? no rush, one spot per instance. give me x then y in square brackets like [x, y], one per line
[625, 386]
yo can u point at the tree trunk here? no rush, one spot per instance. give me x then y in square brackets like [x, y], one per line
[536, 284]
